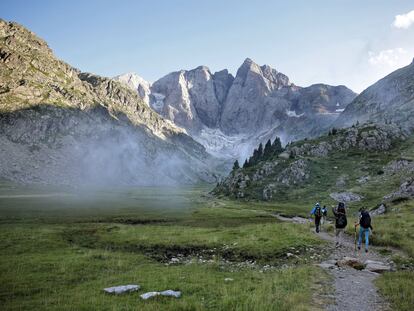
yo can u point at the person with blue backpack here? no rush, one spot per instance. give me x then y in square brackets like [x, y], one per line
[364, 228]
[317, 212]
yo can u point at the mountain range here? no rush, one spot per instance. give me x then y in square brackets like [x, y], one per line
[228, 115]
[63, 126]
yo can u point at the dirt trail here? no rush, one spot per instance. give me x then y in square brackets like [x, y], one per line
[354, 290]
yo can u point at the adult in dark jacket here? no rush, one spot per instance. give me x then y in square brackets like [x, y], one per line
[340, 223]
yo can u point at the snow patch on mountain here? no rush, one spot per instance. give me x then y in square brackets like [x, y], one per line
[292, 113]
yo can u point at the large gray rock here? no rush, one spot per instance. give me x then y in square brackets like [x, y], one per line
[121, 289]
[345, 196]
[406, 191]
[350, 262]
[376, 266]
[168, 293]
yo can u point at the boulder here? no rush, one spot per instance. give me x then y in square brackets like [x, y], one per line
[382, 209]
[121, 289]
[169, 292]
[345, 196]
[376, 266]
[350, 262]
[326, 265]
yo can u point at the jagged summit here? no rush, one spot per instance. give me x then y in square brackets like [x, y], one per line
[137, 83]
[223, 111]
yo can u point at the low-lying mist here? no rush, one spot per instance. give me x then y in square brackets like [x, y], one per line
[81, 151]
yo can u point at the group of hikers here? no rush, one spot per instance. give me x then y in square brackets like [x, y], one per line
[339, 212]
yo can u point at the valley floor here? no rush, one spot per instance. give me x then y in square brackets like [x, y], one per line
[59, 251]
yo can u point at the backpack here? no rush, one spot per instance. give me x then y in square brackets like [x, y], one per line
[365, 220]
[325, 212]
[318, 212]
[341, 220]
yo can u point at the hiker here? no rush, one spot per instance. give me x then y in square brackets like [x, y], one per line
[340, 223]
[324, 214]
[317, 212]
[364, 228]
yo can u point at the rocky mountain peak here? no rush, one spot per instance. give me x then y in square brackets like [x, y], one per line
[137, 83]
[269, 77]
[20, 38]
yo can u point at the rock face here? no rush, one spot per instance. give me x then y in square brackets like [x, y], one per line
[136, 83]
[389, 100]
[228, 115]
[61, 126]
[368, 137]
[248, 101]
[192, 99]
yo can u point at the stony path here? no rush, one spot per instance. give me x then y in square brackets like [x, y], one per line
[354, 290]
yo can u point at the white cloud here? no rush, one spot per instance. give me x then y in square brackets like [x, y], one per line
[404, 20]
[391, 57]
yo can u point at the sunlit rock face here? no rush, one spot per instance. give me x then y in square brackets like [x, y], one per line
[230, 115]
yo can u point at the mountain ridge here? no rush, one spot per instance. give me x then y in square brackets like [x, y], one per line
[233, 112]
[49, 108]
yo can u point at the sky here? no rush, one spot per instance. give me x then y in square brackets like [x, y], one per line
[350, 42]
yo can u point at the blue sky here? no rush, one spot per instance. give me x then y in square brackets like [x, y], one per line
[332, 41]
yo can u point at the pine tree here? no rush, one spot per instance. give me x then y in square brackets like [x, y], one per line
[267, 150]
[254, 158]
[246, 164]
[260, 152]
[277, 146]
[236, 165]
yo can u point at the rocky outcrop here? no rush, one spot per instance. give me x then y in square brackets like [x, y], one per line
[406, 191]
[381, 209]
[296, 173]
[399, 166]
[388, 100]
[368, 137]
[345, 197]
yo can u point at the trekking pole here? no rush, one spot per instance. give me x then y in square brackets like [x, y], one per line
[355, 238]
